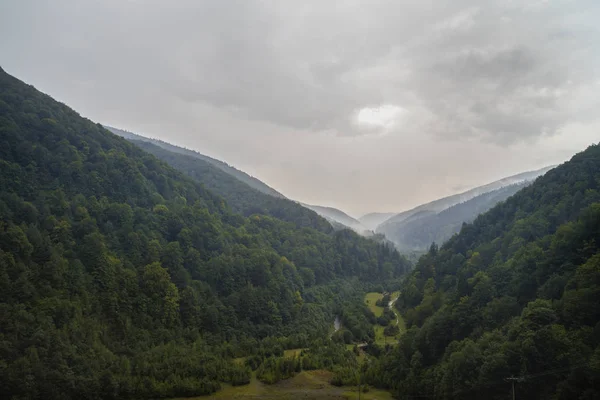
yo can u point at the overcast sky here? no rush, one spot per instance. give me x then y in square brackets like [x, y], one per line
[365, 105]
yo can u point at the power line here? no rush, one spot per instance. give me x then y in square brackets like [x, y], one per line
[512, 380]
[555, 371]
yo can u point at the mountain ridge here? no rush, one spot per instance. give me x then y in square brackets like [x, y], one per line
[239, 174]
[420, 230]
[448, 201]
[374, 219]
[339, 216]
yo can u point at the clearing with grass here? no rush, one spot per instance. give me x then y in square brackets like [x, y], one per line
[305, 385]
[371, 300]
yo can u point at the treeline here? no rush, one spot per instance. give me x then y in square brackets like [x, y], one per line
[121, 277]
[516, 293]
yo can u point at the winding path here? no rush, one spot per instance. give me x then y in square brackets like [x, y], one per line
[337, 324]
[391, 306]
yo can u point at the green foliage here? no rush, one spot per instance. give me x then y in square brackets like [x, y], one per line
[272, 370]
[121, 277]
[240, 196]
[515, 293]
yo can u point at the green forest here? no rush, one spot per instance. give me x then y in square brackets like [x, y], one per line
[515, 294]
[131, 271]
[241, 198]
[122, 277]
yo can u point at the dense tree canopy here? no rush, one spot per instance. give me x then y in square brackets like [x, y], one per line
[122, 277]
[242, 198]
[516, 293]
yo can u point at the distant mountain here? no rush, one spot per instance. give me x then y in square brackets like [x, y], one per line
[418, 231]
[338, 216]
[373, 220]
[242, 176]
[449, 201]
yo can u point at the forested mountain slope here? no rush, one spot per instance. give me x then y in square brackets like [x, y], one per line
[242, 198]
[516, 293]
[438, 205]
[423, 228]
[121, 277]
[240, 175]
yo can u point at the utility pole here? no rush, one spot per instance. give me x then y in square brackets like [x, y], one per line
[359, 384]
[512, 380]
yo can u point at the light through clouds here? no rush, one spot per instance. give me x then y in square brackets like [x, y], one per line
[384, 116]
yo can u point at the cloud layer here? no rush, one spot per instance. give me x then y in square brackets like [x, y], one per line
[459, 87]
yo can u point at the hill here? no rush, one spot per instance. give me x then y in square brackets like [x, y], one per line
[120, 277]
[337, 216]
[372, 220]
[418, 231]
[441, 204]
[515, 293]
[242, 198]
[240, 175]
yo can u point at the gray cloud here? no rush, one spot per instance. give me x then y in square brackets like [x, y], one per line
[248, 80]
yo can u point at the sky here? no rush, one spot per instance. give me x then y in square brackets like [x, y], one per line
[364, 105]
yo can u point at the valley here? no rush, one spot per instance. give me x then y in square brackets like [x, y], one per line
[137, 269]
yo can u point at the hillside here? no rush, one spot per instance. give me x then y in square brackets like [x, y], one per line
[441, 204]
[372, 220]
[515, 293]
[418, 231]
[337, 216]
[240, 175]
[120, 277]
[242, 198]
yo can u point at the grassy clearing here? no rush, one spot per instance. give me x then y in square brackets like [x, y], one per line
[305, 385]
[401, 324]
[372, 394]
[292, 353]
[370, 299]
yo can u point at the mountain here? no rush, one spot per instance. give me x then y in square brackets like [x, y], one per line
[121, 277]
[418, 231]
[337, 216]
[240, 175]
[386, 227]
[514, 294]
[242, 198]
[372, 220]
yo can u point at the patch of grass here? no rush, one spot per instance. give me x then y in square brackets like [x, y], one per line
[371, 300]
[401, 323]
[305, 385]
[372, 394]
[292, 353]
